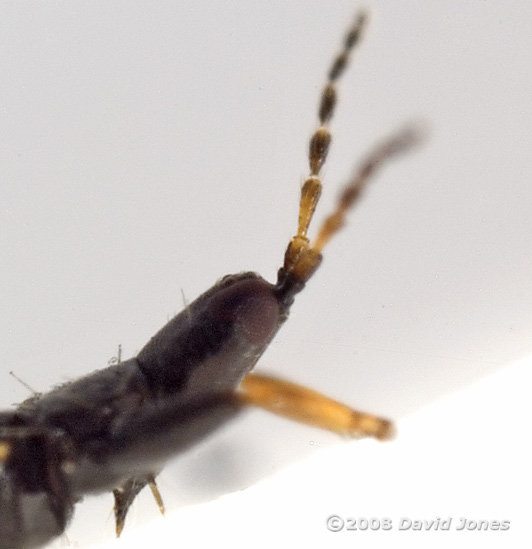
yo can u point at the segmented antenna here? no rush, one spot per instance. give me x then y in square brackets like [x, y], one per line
[301, 258]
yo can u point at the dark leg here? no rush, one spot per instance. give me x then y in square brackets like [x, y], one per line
[126, 494]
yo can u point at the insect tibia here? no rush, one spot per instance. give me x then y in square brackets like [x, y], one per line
[307, 406]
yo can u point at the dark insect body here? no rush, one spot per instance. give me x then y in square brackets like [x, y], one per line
[114, 429]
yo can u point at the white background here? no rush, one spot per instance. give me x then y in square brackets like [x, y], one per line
[148, 148]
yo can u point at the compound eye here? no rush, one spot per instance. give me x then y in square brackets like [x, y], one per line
[251, 306]
[258, 318]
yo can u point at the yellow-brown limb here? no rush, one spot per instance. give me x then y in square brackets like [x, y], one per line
[5, 451]
[321, 140]
[125, 495]
[301, 258]
[157, 495]
[307, 406]
[394, 145]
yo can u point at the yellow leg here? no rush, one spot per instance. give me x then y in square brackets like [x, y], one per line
[125, 495]
[307, 406]
[157, 495]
